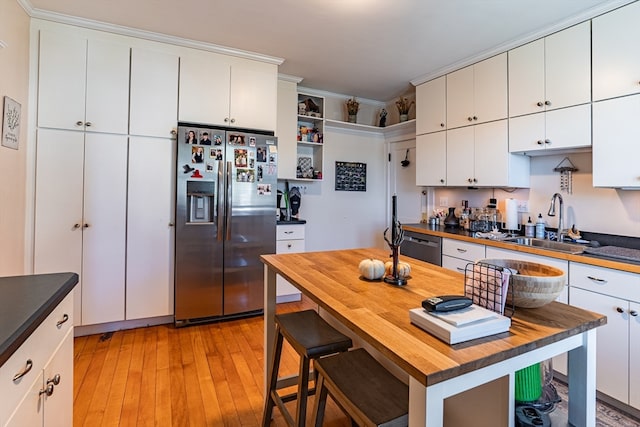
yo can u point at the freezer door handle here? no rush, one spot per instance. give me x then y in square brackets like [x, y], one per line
[229, 202]
[219, 200]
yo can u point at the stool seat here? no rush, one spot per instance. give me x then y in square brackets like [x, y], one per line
[363, 388]
[311, 337]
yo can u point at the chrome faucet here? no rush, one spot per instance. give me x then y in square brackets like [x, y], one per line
[552, 212]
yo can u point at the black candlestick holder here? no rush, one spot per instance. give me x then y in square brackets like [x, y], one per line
[397, 236]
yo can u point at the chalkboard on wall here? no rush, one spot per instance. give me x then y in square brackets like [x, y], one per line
[351, 176]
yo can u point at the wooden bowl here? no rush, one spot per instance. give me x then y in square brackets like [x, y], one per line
[534, 285]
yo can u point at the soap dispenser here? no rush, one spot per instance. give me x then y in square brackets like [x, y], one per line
[540, 227]
[529, 229]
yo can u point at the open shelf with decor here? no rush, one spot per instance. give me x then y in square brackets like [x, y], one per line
[310, 148]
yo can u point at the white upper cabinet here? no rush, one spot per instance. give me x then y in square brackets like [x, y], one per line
[287, 129]
[616, 63]
[551, 73]
[83, 84]
[477, 93]
[154, 93]
[479, 156]
[431, 106]
[431, 159]
[227, 91]
[616, 132]
[562, 129]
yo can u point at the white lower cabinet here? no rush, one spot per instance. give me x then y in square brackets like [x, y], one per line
[616, 295]
[289, 239]
[456, 254]
[45, 360]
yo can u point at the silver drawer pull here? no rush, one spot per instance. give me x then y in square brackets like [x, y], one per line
[65, 318]
[633, 313]
[595, 279]
[462, 251]
[25, 370]
[288, 232]
[460, 269]
[620, 309]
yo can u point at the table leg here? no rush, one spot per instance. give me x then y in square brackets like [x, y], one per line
[269, 320]
[582, 382]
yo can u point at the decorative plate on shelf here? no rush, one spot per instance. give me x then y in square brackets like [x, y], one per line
[305, 164]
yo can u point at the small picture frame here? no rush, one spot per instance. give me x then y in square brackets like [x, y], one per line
[11, 123]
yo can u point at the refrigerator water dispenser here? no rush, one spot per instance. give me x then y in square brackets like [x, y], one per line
[200, 201]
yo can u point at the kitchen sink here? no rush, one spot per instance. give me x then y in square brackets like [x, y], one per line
[547, 244]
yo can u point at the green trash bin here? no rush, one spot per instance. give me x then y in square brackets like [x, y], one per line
[529, 383]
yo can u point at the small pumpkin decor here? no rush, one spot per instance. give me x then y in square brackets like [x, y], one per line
[404, 269]
[371, 269]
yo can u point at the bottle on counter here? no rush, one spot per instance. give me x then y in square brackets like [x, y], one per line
[540, 227]
[529, 229]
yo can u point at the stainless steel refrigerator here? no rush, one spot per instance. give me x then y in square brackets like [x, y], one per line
[225, 219]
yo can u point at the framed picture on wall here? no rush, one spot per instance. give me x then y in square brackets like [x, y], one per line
[11, 123]
[351, 176]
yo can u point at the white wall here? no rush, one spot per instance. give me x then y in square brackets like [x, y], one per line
[600, 210]
[14, 74]
[346, 219]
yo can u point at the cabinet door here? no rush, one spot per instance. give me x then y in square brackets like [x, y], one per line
[616, 133]
[568, 127]
[527, 133]
[490, 89]
[491, 154]
[460, 154]
[107, 103]
[58, 408]
[431, 159]
[568, 67]
[431, 106]
[253, 95]
[154, 93]
[58, 204]
[30, 410]
[616, 66]
[150, 230]
[612, 352]
[204, 88]
[62, 77]
[460, 98]
[634, 354]
[526, 79]
[103, 252]
[286, 129]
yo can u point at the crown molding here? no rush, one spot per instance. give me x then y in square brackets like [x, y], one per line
[289, 78]
[145, 35]
[505, 47]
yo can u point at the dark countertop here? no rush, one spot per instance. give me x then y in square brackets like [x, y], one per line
[460, 234]
[292, 221]
[25, 301]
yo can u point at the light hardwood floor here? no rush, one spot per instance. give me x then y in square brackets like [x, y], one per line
[205, 375]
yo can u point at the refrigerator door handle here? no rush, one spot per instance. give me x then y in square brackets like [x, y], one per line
[219, 204]
[229, 201]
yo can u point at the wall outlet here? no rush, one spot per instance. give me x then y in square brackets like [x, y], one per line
[523, 206]
[444, 201]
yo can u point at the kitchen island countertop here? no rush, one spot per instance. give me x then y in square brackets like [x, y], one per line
[25, 301]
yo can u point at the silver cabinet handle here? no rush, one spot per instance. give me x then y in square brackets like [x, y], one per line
[171, 224]
[547, 102]
[65, 318]
[633, 313]
[24, 371]
[76, 225]
[233, 120]
[226, 119]
[49, 387]
[441, 125]
[48, 390]
[462, 251]
[547, 141]
[174, 132]
[288, 232]
[86, 225]
[289, 245]
[619, 309]
[540, 104]
[442, 181]
[595, 279]
[470, 118]
[461, 270]
[88, 124]
[539, 142]
[79, 123]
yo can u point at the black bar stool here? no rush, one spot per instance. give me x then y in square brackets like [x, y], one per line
[311, 337]
[363, 388]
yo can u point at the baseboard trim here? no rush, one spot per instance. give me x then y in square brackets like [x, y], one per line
[80, 331]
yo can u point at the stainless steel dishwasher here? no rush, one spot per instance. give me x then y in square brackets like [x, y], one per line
[422, 246]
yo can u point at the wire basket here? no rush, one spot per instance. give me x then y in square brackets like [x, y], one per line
[487, 286]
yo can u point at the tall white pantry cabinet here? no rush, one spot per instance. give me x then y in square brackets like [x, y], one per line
[104, 173]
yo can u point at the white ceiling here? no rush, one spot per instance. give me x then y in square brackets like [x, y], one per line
[367, 48]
